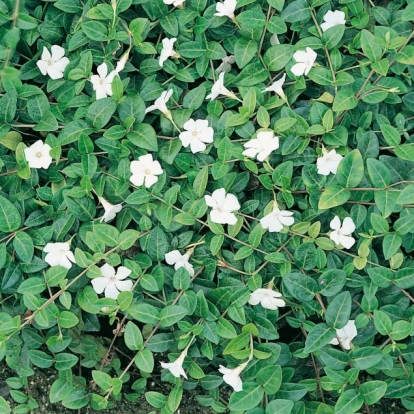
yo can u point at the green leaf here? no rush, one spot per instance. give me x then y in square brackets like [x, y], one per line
[300, 286]
[23, 245]
[382, 322]
[349, 402]
[372, 391]
[391, 134]
[369, 46]
[171, 314]
[406, 56]
[279, 406]
[95, 30]
[339, 310]
[391, 244]
[400, 330]
[100, 112]
[40, 358]
[333, 196]
[378, 173]
[319, 336]
[350, 170]
[55, 275]
[102, 379]
[144, 313]
[270, 378]
[277, 57]
[68, 319]
[407, 195]
[133, 337]
[247, 399]
[144, 136]
[296, 11]
[332, 36]
[10, 219]
[344, 100]
[225, 329]
[244, 51]
[157, 244]
[144, 360]
[4, 406]
[59, 390]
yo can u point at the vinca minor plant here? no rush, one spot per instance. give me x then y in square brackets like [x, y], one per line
[218, 195]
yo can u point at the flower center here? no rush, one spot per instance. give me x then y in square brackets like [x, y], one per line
[102, 81]
[148, 171]
[194, 133]
[49, 62]
[39, 154]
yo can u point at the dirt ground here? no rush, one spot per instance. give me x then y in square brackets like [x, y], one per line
[42, 381]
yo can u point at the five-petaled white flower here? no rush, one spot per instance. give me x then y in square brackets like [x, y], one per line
[175, 3]
[180, 260]
[225, 66]
[277, 87]
[160, 104]
[112, 282]
[145, 170]
[167, 50]
[262, 146]
[196, 135]
[275, 220]
[38, 155]
[341, 234]
[59, 254]
[333, 18]
[223, 206]
[176, 367]
[226, 9]
[268, 298]
[53, 64]
[345, 335]
[102, 82]
[305, 60]
[329, 162]
[110, 210]
[219, 89]
[232, 376]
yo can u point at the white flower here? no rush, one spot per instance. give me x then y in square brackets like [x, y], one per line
[59, 254]
[305, 60]
[196, 134]
[38, 155]
[277, 87]
[232, 376]
[102, 83]
[226, 9]
[121, 63]
[268, 298]
[53, 64]
[274, 40]
[275, 220]
[262, 146]
[160, 104]
[176, 367]
[329, 162]
[179, 260]
[223, 206]
[112, 282]
[167, 50]
[219, 89]
[145, 170]
[332, 19]
[225, 66]
[345, 335]
[110, 210]
[175, 3]
[341, 234]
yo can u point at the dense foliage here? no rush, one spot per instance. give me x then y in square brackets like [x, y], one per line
[163, 215]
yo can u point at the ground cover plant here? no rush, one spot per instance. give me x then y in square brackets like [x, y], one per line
[218, 195]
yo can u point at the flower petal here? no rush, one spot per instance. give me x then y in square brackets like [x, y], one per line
[99, 284]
